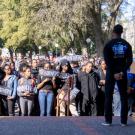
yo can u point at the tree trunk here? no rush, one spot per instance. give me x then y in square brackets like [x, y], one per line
[62, 52]
[98, 33]
[112, 19]
[99, 45]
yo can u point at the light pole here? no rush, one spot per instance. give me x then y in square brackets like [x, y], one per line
[40, 47]
[56, 46]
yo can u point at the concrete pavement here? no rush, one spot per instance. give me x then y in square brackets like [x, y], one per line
[63, 126]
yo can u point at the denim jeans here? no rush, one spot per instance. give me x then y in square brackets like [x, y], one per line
[130, 105]
[45, 102]
[7, 106]
[116, 103]
[11, 104]
[4, 106]
[26, 105]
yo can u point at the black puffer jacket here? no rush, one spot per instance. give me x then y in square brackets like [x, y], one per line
[2, 74]
[88, 84]
[101, 76]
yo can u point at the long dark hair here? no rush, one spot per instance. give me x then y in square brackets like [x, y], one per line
[70, 70]
[47, 62]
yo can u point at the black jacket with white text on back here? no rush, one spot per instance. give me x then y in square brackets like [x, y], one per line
[118, 55]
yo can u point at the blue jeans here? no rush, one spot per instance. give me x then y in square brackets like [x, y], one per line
[116, 104]
[45, 102]
[26, 105]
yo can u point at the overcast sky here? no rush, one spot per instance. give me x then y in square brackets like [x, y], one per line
[130, 7]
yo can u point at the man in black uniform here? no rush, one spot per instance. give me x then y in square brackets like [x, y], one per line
[118, 58]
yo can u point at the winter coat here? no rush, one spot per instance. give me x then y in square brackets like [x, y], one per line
[88, 84]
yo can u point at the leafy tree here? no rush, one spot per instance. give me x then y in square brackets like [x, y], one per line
[66, 22]
[15, 17]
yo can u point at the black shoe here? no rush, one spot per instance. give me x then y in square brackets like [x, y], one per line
[106, 124]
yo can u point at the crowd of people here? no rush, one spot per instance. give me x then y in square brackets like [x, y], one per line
[34, 86]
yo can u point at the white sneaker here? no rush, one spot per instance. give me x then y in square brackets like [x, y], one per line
[106, 124]
[123, 125]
